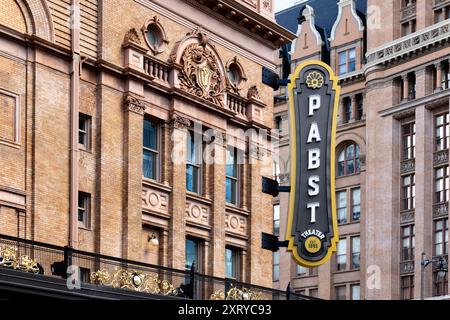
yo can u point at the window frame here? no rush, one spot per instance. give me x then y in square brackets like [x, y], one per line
[198, 167]
[355, 253]
[236, 179]
[446, 132]
[353, 205]
[408, 203]
[156, 152]
[236, 263]
[411, 239]
[340, 208]
[344, 290]
[86, 132]
[409, 287]
[348, 61]
[356, 160]
[441, 196]
[85, 208]
[444, 235]
[341, 266]
[409, 151]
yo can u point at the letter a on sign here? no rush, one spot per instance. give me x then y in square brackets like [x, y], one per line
[312, 224]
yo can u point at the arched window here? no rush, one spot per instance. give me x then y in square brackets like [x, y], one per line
[349, 160]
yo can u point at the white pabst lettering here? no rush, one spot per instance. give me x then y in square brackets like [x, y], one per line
[313, 183]
[314, 133]
[313, 207]
[313, 159]
[314, 104]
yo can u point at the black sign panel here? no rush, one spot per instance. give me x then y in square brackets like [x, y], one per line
[312, 225]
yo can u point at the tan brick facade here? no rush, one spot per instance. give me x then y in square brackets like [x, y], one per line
[105, 70]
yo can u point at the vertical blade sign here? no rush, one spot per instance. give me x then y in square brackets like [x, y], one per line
[312, 225]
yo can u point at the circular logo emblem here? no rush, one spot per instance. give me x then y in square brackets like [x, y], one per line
[313, 244]
[314, 80]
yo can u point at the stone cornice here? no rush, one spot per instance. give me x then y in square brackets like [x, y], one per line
[233, 12]
[409, 44]
[409, 106]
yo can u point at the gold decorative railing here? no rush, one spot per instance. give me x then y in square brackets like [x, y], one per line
[124, 276]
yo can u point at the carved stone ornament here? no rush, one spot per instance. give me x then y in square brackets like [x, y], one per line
[180, 122]
[253, 93]
[200, 74]
[132, 36]
[134, 104]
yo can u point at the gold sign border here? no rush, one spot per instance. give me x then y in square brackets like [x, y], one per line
[293, 125]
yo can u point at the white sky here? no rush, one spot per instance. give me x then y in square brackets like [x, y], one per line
[283, 4]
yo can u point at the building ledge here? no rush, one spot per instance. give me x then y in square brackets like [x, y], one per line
[422, 39]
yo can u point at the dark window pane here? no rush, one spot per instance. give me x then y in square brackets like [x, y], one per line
[150, 135]
[191, 253]
[149, 165]
[231, 191]
[191, 178]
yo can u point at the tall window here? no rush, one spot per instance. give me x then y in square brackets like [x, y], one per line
[151, 150]
[441, 184]
[276, 219]
[359, 107]
[193, 162]
[232, 263]
[301, 270]
[355, 291]
[348, 110]
[276, 266]
[409, 141]
[84, 204]
[356, 204]
[349, 161]
[84, 131]
[341, 255]
[192, 254]
[356, 252]
[347, 61]
[340, 293]
[442, 132]
[407, 288]
[314, 293]
[232, 176]
[440, 285]
[279, 123]
[408, 243]
[342, 207]
[441, 237]
[409, 192]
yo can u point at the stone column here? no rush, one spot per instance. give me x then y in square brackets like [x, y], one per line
[177, 162]
[261, 217]
[341, 112]
[354, 108]
[134, 108]
[164, 248]
[424, 197]
[217, 182]
[438, 85]
[206, 257]
[405, 88]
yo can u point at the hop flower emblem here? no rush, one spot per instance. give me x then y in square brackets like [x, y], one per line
[314, 80]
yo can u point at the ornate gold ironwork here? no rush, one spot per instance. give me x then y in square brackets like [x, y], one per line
[135, 281]
[314, 80]
[9, 259]
[237, 294]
